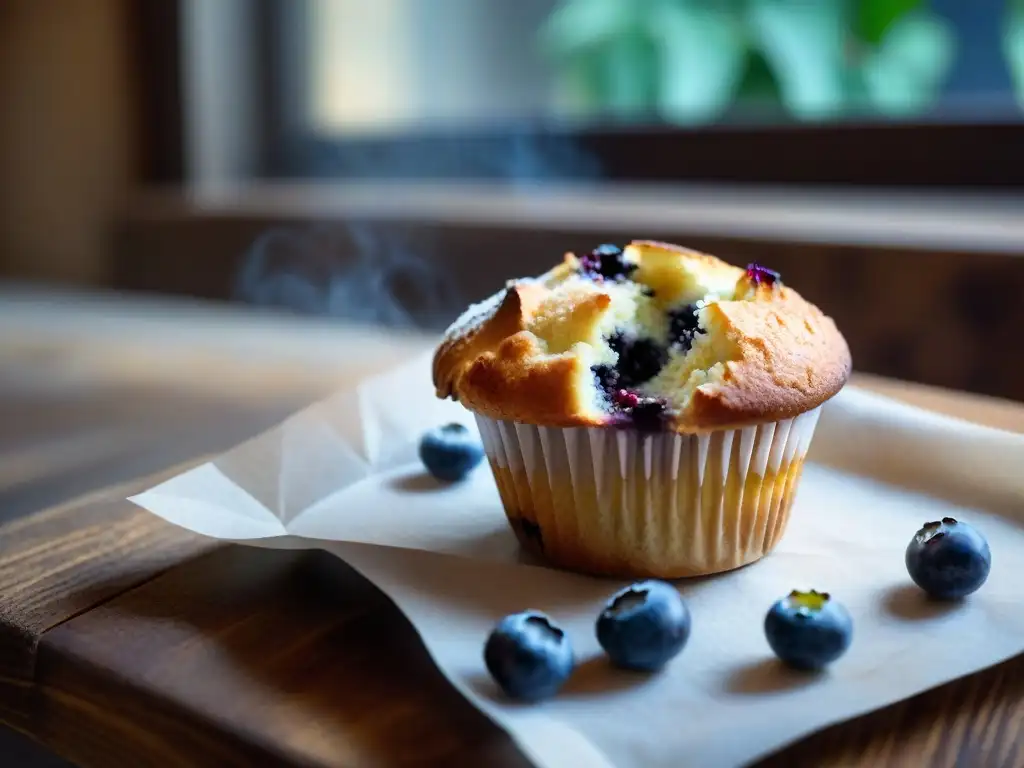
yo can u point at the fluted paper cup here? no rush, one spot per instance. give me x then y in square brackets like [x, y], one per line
[622, 503]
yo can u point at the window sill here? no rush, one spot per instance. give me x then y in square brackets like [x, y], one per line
[943, 221]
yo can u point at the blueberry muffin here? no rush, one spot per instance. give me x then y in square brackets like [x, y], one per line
[645, 411]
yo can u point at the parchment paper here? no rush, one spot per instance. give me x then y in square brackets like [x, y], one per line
[343, 476]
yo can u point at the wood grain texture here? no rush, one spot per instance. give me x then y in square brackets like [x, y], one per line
[57, 564]
[255, 657]
[974, 721]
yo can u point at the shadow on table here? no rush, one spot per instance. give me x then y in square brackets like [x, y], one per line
[908, 602]
[17, 750]
[769, 675]
[590, 678]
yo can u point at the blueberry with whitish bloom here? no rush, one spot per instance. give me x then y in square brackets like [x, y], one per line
[644, 626]
[948, 559]
[607, 261]
[450, 452]
[529, 656]
[808, 630]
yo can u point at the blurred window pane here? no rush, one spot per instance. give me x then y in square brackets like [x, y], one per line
[395, 65]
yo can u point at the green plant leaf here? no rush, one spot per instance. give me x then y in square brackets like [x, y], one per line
[1013, 46]
[904, 73]
[629, 64]
[579, 84]
[579, 24]
[757, 86]
[702, 51]
[803, 42]
[874, 17]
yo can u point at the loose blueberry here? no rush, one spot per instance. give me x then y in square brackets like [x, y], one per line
[808, 630]
[606, 261]
[644, 626]
[759, 275]
[450, 452]
[948, 559]
[639, 359]
[682, 327]
[528, 656]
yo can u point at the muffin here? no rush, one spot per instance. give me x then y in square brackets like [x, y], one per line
[645, 411]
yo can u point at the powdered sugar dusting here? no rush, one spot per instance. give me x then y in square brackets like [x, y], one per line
[475, 316]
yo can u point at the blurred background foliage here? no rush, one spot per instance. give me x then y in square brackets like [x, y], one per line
[697, 61]
[1013, 44]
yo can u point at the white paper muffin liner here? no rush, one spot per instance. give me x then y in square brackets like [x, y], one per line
[625, 503]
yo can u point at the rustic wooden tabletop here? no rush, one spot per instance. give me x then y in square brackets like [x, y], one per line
[126, 641]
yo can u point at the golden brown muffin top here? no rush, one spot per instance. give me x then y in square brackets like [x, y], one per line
[653, 336]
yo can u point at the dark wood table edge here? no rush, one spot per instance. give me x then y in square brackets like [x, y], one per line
[76, 542]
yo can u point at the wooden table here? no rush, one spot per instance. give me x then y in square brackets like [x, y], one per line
[126, 641]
